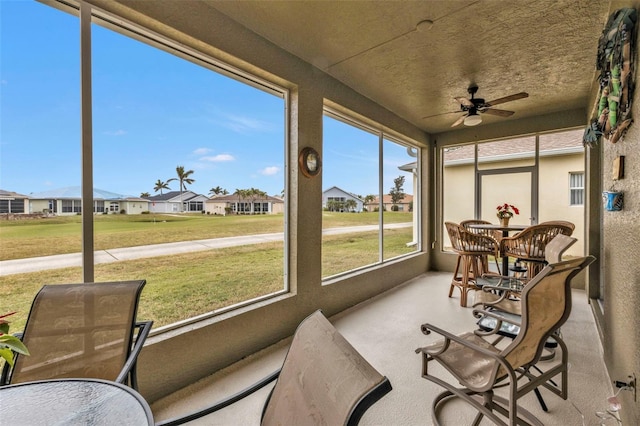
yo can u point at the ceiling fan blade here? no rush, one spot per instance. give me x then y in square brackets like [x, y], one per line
[465, 102]
[459, 120]
[499, 112]
[442, 113]
[510, 98]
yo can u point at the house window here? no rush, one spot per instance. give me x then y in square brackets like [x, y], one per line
[114, 207]
[98, 206]
[362, 164]
[576, 189]
[196, 206]
[11, 206]
[71, 206]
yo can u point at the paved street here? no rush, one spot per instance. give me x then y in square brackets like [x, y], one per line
[33, 264]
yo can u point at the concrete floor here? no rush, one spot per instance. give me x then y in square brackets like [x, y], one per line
[386, 331]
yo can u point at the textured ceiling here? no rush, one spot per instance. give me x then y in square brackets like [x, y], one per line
[546, 48]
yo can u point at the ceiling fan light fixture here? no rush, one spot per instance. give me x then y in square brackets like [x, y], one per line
[472, 120]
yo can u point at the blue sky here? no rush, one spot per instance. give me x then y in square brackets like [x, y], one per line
[152, 111]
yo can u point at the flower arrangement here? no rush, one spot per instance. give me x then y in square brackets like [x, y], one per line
[506, 211]
[8, 342]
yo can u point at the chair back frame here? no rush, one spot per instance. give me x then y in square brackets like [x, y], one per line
[82, 330]
[323, 380]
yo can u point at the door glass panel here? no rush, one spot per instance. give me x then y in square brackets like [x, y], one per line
[510, 188]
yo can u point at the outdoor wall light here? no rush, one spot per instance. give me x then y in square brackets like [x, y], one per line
[309, 162]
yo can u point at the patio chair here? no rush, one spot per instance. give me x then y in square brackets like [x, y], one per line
[481, 367]
[473, 250]
[323, 380]
[491, 233]
[529, 245]
[82, 331]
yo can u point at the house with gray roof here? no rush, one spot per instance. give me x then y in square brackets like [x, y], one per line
[235, 204]
[177, 202]
[336, 198]
[12, 202]
[67, 201]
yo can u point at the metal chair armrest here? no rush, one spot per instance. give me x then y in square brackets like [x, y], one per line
[449, 337]
[222, 403]
[129, 368]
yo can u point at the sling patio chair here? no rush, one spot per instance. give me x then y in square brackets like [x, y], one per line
[82, 331]
[481, 366]
[473, 251]
[323, 381]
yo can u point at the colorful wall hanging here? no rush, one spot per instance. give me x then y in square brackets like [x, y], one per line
[616, 64]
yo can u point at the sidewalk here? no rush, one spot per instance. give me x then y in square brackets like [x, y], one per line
[33, 264]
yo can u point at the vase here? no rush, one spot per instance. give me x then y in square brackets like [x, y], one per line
[504, 221]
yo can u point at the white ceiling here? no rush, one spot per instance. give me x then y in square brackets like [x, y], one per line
[546, 48]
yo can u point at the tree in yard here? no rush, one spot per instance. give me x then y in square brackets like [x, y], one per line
[241, 194]
[335, 205]
[160, 185]
[368, 200]
[253, 194]
[351, 204]
[218, 191]
[397, 193]
[184, 180]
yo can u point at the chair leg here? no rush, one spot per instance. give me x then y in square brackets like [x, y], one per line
[455, 280]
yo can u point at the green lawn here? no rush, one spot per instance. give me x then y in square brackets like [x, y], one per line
[185, 285]
[63, 234]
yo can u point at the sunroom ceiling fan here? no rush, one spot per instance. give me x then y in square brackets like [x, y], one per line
[473, 107]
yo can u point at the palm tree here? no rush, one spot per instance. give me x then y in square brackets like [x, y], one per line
[145, 195]
[217, 191]
[242, 194]
[368, 200]
[160, 185]
[184, 180]
[254, 194]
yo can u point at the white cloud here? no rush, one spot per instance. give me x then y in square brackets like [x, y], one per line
[241, 124]
[270, 171]
[202, 151]
[218, 158]
[116, 133]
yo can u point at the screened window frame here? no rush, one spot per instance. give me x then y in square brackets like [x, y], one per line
[88, 14]
[379, 131]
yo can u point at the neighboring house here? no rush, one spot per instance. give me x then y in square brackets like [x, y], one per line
[404, 205]
[66, 201]
[337, 199]
[232, 204]
[171, 201]
[561, 174]
[12, 202]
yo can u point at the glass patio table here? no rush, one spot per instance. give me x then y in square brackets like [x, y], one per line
[73, 402]
[505, 233]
